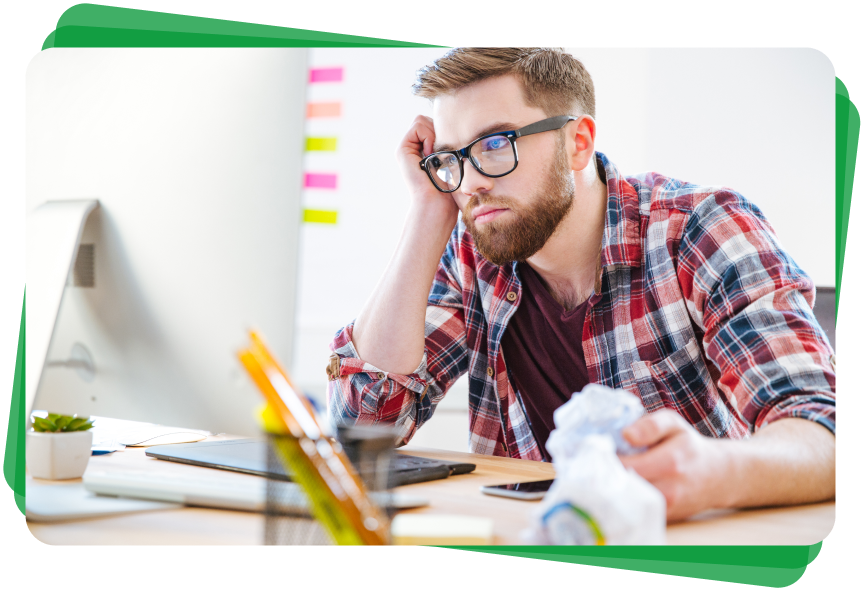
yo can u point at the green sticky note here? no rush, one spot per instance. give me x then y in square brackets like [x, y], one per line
[321, 144]
[320, 216]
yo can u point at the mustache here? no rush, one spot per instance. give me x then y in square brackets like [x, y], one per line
[475, 201]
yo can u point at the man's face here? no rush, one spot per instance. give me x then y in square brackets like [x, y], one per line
[510, 217]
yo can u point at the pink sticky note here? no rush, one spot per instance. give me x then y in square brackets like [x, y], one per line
[323, 110]
[325, 74]
[319, 181]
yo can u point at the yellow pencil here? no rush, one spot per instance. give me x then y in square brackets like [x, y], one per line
[337, 496]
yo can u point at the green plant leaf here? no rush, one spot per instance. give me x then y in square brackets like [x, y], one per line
[39, 424]
[86, 426]
[76, 423]
[61, 422]
[52, 417]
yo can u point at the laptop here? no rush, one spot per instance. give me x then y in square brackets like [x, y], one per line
[250, 456]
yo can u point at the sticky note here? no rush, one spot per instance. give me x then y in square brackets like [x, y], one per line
[440, 529]
[325, 74]
[319, 180]
[323, 110]
[320, 216]
[321, 144]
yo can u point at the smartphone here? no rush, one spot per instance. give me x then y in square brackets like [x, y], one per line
[530, 490]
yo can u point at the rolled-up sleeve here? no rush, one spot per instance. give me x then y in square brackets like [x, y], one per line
[358, 392]
[755, 306]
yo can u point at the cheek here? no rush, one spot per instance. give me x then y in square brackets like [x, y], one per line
[461, 200]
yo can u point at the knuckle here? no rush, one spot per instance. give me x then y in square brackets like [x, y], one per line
[678, 464]
[673, 495]
[666, 415]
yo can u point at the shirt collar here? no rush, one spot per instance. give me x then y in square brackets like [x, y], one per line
[622, 240]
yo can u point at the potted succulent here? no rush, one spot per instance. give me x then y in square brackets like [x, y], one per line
[58, 447]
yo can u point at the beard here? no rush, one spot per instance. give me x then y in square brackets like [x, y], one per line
[533, 224]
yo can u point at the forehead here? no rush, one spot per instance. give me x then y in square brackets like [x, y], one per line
[462, 116]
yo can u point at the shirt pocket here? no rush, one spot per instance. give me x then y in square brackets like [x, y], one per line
[682, 382]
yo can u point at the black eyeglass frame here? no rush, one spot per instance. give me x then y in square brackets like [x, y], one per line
[544, 125]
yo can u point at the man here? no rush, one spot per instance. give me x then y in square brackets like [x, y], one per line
[562, 272]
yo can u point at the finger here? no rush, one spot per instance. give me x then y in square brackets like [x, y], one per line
[420, 137]
[654, 465]
[428, 139]
[653, 428]
[415, 145]
[671, 492]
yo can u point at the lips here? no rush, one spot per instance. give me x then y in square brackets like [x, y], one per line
[484, 214]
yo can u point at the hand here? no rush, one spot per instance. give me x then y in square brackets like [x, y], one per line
[690, 470]
[430, 202]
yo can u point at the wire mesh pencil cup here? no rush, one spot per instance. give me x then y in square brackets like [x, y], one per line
[287, 519]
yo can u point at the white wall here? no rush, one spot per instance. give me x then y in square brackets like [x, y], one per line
[758, 121]
[340, 265]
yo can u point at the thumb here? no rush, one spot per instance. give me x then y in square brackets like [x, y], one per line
[650, 429]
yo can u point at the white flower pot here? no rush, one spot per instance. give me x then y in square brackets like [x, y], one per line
[58, 455]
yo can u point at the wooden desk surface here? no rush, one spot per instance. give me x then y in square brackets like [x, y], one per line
[798, 525]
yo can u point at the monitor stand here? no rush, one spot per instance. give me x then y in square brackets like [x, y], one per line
[53, 236]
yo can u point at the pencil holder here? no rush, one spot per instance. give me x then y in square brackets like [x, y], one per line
[288, 520]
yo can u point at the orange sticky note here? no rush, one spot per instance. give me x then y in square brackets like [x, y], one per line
[323, 110]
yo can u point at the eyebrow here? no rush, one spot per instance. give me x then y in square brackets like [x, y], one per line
[489, 129]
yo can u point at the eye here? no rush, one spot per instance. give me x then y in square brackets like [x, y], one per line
[495, 143]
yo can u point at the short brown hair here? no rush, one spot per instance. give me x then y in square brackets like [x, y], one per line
[552, 79]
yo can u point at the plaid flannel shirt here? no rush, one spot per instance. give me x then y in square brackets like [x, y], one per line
[696, 308]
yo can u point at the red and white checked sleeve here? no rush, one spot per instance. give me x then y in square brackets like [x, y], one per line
[361, 393]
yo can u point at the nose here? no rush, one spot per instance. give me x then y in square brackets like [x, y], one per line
[473, 182]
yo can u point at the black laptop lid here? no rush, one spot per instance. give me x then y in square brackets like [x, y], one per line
[250, 456]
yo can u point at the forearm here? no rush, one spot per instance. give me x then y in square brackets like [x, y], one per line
[389, 332]
[789, 461]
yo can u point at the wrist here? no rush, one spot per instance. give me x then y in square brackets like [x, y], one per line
[432, 221]
[440, 211]
[731, 475]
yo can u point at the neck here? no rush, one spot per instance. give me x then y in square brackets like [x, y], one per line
[567, 263]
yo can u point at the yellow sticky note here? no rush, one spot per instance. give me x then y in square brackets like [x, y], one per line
[320, 216]
[321, 144]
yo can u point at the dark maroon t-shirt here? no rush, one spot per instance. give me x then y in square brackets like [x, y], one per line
[542, 347]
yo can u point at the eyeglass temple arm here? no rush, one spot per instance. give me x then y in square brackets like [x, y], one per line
[544, 126]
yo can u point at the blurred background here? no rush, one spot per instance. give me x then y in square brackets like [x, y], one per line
[221, 139]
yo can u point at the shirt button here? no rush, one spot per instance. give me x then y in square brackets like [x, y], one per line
[511, 296]
[381, 375]
[490, 371]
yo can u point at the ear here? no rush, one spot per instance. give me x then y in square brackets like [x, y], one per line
[579, 136]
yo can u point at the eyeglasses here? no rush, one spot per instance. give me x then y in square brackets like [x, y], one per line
[493, 155]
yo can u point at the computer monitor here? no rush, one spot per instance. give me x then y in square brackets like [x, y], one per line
[195, 157]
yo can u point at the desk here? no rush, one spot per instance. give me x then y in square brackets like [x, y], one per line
[798, 525]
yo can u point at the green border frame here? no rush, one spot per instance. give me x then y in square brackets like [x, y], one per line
[90, 25]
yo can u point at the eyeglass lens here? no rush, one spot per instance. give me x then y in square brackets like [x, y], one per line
[445, 171]
[494, 156]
